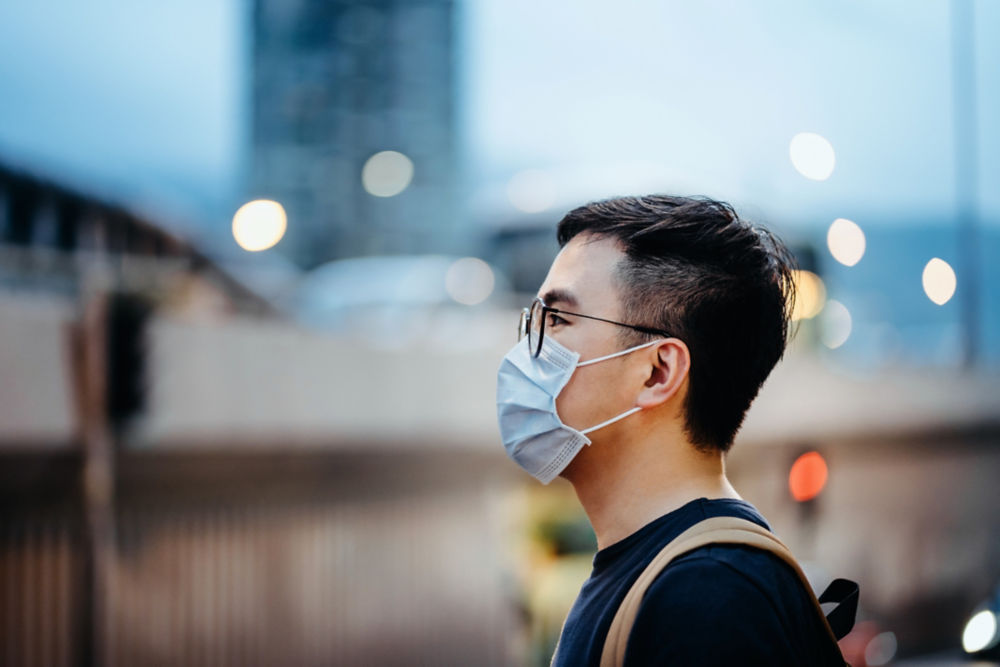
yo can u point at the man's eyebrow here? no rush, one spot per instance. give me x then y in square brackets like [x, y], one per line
[560, 296]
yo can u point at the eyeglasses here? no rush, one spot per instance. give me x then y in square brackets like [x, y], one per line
[532, 324]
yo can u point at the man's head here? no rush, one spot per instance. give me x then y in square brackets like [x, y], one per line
[690, 267]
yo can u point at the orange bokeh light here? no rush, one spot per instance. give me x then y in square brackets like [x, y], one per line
[808, 476]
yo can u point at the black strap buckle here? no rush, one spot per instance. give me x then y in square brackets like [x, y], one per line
[844, 593]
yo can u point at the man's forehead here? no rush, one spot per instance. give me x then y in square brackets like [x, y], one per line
[583, 275]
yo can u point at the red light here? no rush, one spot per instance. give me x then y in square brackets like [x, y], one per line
[808, 476]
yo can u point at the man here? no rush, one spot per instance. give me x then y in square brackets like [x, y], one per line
[657, 324]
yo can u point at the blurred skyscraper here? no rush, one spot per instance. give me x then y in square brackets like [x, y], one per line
[335, 83]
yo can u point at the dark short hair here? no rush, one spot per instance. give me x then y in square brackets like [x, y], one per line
[724, 286]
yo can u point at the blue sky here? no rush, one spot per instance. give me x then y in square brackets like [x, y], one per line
[144, 101]
[149, 100]
[713, 92]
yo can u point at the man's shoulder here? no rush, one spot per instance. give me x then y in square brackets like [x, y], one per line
[726, 574]
[742, 559]
[722, 602]
[740, 566]
[743, 562]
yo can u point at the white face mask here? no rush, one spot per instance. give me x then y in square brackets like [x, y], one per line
[532, 433]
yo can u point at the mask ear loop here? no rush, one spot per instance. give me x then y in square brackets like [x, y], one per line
[612, 356]
[612, 420]
[618, 354]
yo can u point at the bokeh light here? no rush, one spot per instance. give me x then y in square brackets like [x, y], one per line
[810, 295]
[812, 156]
[387, 173]
[259, 224]
[808, 476]
[939, 281]
[846, 241]
[836, 324]
[531, 191]
[980, 632]
[469, 281]
[881, 649]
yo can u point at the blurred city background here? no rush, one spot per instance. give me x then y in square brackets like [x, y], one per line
[260, 259]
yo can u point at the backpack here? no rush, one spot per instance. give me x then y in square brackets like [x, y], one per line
[728, 530]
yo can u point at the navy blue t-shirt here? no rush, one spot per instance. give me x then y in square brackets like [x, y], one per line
[721, 604]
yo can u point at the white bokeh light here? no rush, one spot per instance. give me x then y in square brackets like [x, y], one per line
[531, 191]
[881, 649]
[836, 324]
[469, 281]
[846, 241]
[939, 281]
[812, 156]
[980, 632]
[387, 173]
[810, 295]
[259, 224]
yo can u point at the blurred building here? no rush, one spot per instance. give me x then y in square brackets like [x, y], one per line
[335, 83]
[231, 528]
[55, 239]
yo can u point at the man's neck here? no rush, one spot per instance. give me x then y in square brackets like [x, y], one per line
[623, 492]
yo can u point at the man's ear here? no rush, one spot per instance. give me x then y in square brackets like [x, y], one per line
[669, 363]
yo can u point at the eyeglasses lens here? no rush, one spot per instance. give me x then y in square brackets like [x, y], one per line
[536, 318]
[522, 325]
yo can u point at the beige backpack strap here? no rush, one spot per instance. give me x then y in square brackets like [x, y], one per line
[722, 529]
